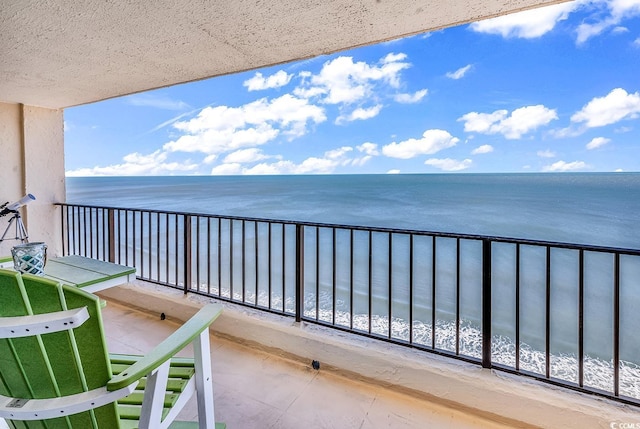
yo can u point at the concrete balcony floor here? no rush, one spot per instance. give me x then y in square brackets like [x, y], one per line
[255, 389]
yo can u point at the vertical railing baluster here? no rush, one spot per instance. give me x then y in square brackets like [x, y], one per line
[112, 235]
[219, 256]
[517, 304]
[64, 229]
[166, 248]
[119, 234]
[198, 280]
[209, 254]
[351, 278]
[390, 285]
[317, 273]
[284, 268]
[433, 291]
[126, 237]
[142, 270]
[84, 235]
[581, 321]
[150, 245]
[76, 230]
[299, 298]
[91, 234]
[411, 240]
[242, 261]
[158, 242]
[257, 267]
[269, 273]
[187, 252]
[231, 259]
[176, 247]
[486, 303]
[457, 296]
[333, 276]
[370, 278]
[135, 244]
[616, 325]
[547, 334]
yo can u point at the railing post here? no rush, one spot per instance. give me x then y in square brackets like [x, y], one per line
[187, 253]
[299, 270]
[486, 303]
[111, 225]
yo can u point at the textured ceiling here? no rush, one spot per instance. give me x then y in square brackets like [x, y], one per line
[61, 53]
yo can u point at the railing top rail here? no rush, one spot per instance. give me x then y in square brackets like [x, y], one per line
[438, 234]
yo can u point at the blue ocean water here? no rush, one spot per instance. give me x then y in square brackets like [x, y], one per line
[582, 208]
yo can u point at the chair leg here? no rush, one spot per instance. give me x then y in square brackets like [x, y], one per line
[204, 387]
[153, 402]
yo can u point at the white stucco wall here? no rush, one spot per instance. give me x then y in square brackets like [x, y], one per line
[32, 161]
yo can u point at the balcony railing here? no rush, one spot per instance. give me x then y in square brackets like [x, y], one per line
[565, 314]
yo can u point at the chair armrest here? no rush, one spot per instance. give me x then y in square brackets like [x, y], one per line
[39, 409]
[38, 324]
[168, 348]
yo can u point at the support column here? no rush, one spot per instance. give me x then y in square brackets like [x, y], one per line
[32, 161]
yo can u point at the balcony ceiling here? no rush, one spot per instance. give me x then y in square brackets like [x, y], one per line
[61, 53]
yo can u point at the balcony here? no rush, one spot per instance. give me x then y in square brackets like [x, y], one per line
[442, 318]
[255, 388]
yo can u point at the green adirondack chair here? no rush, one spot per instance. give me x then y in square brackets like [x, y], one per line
[56, 372]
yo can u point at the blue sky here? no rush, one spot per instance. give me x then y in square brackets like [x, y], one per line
[555, 89]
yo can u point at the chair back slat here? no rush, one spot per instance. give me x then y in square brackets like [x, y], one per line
[54, 364]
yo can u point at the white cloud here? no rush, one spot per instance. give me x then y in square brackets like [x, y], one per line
[327, 163]
[343, 81]
[520, 122]
[546, 153]
[338, 153]
[565, 166]
[393, 171]
[636, 42]
[485, 148]
[482, 122]
[411, 98]
[432, 141]
[244, 156]
[616, 12]
[448, 164]
[259, 82]
[369, 148]
[360, 114]
[159, 102]
[529, 24]
[392, 58]
[222, 129]
[227, 170]
[597, 142]
[210, 159]
[614, 107]
[459, 74]
[137, 164]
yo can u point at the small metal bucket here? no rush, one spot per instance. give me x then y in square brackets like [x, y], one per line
[30, 258]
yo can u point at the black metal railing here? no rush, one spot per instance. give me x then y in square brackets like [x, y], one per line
[562, 313]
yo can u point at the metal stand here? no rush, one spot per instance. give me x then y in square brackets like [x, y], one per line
[20, 230]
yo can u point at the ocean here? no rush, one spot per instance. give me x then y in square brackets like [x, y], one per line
[582, 208]
[595, 209]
